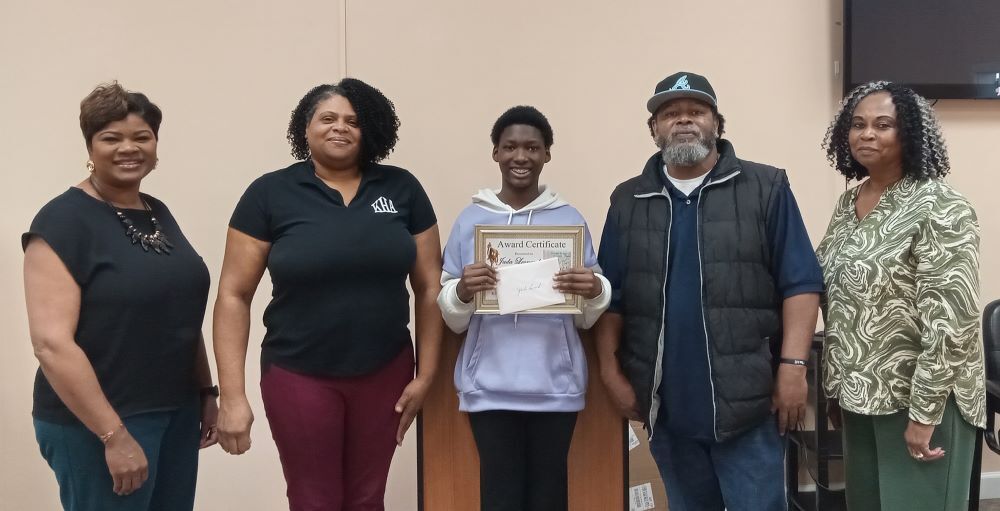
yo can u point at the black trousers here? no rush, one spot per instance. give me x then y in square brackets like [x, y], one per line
[522, 459]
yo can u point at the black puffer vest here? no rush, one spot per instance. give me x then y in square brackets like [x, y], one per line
[742, 308]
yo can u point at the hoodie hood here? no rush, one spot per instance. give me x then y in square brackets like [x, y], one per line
[488, 200]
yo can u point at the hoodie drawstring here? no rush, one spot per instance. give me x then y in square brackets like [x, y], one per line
[510, 216]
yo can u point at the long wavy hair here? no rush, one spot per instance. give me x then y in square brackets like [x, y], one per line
[923, 148]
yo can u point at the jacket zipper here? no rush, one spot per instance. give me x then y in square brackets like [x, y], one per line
[654, 398]
[701, 291]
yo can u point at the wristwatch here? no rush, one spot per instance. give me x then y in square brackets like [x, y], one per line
[794, 361]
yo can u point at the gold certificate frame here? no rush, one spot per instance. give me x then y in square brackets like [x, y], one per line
[505, 245]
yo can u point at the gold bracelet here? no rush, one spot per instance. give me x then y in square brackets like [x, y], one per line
[105, 438]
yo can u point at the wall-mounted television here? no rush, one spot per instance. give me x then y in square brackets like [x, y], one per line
[943, 49]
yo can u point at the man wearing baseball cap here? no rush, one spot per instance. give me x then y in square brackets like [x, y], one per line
[711, 269]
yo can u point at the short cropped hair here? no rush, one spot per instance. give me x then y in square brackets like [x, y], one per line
[110, 102]
[527, 115]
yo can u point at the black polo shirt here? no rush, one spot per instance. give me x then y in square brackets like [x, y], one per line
[339, 305]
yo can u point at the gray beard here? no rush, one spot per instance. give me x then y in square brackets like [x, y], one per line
[686, 154]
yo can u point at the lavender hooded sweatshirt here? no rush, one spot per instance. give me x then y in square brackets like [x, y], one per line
[531, 362]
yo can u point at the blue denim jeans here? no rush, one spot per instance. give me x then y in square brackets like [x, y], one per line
[169, 439]
[746, 473]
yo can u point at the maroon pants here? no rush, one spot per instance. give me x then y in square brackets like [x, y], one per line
[336, 436]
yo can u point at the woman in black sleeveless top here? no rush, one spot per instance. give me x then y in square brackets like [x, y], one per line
[116, 297]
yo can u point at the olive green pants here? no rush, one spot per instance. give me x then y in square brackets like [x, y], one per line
[881, 475]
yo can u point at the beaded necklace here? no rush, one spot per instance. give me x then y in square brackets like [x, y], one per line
[156, 241]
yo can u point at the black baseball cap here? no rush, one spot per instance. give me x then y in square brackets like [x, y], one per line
[681, 85]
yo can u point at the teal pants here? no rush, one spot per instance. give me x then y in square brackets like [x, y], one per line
[169, 440]
[881, 475]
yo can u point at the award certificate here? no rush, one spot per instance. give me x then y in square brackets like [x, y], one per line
[506, 245]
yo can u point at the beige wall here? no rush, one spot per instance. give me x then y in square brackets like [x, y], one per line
[228, 73]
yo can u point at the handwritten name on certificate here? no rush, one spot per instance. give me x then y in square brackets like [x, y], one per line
[527, 286]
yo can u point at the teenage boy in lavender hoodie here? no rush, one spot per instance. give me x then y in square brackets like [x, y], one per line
[522, 380]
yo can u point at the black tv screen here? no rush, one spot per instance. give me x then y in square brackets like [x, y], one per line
[943, 49]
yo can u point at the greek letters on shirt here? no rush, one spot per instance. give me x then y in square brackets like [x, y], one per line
[383, 205]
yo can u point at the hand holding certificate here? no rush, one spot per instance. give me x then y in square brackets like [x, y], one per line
[526, 286]
[508, 248]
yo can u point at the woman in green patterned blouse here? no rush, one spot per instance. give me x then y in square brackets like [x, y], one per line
[900, 261]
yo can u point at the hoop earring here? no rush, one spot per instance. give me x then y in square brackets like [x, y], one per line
[90, 166]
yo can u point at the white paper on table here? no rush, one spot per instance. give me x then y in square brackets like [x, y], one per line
[527, 286]
[641, 497]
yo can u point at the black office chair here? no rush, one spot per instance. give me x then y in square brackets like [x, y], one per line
[991, 352]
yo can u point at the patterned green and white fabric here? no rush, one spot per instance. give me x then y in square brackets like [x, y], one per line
[901, 304]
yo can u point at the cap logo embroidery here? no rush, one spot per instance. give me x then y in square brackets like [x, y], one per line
[681, 84]
[383, 205]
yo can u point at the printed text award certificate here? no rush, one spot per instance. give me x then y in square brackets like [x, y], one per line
[505, 245]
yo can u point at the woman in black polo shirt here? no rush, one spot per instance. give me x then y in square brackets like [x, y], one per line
[339, 234]
[116, 297]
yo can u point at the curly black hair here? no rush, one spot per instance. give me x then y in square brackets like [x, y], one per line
[923, 149]
[715, 112]
[522, 114]
[377, 119]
